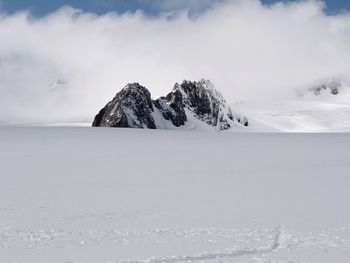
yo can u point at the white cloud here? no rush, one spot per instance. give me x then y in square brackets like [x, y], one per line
[66, 66]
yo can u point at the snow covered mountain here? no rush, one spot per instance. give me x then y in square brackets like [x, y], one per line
[320, 107]
[190, 105]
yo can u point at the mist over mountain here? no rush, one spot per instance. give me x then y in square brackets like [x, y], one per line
[64, 67]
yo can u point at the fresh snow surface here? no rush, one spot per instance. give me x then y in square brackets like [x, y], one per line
[95, 195]
[310, 113]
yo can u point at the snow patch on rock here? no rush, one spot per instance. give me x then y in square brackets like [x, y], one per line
[190, 104]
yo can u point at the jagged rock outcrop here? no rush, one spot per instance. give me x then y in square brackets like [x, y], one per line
[133, 108]
[208, 104]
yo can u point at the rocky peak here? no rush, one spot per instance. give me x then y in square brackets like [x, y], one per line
[133, 108]
[203, 99]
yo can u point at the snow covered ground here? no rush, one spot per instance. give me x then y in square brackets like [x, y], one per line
[299, 116]
[311, 113]
[75, 194]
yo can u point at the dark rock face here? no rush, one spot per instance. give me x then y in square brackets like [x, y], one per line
[134, 108]
[203, 101]
[208, 104]
[130, 108]
[172, 108]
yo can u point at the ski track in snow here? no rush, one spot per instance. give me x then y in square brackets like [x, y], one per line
[220, 255]
[253, 242]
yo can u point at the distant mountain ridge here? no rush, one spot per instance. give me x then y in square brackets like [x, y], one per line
[331, 85]
[322, 106]
[189, 104]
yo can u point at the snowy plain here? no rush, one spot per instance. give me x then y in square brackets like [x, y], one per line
[94, 195]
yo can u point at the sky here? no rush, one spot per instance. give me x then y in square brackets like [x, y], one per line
[66, 65]
[42, 7]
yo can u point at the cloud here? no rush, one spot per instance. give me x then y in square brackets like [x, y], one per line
[67, 65]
